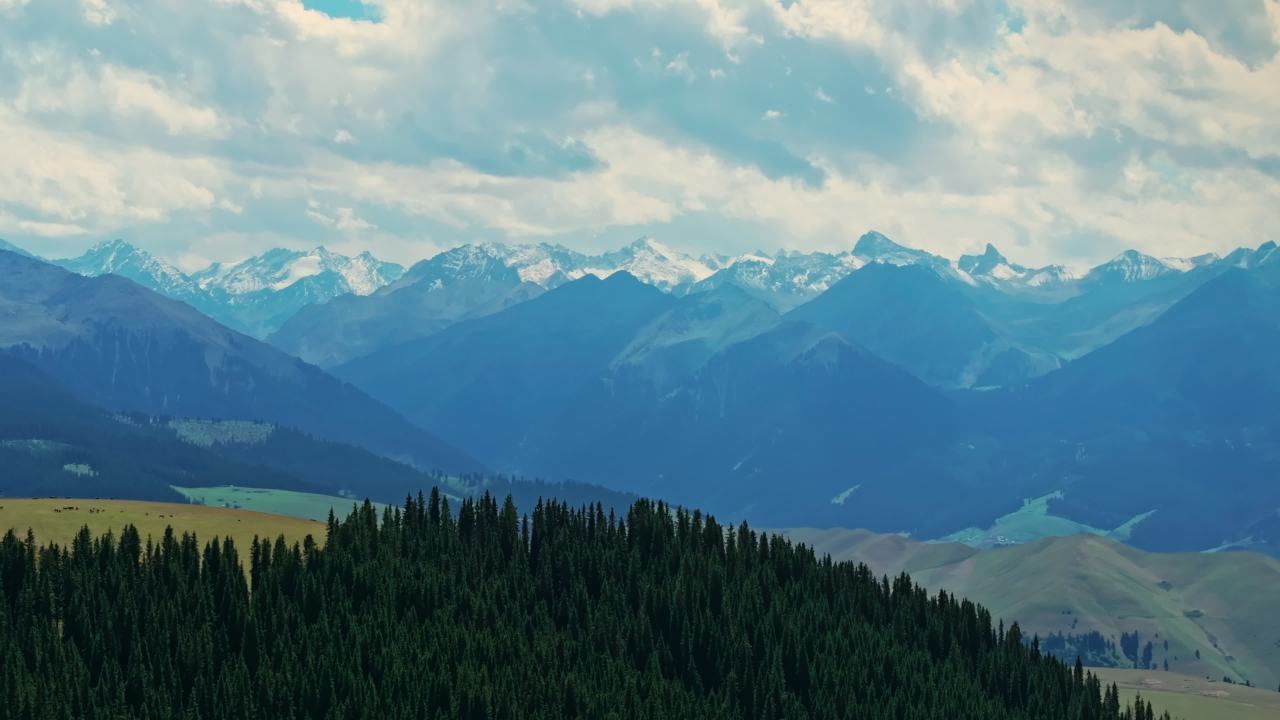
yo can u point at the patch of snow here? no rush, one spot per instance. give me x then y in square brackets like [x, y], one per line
[842, 497]
[304, 267]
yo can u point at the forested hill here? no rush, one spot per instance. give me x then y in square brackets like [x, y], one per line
[424, 613]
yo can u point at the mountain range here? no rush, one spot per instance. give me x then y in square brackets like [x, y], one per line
[328, 308]
[851, 407]
[255, 295]
[836, 388]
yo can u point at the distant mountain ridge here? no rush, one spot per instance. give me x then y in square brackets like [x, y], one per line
[279, 269]
[255, 295]
[6, 245]
[260, 294]
[119, 345]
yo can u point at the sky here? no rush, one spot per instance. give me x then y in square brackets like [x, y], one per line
[1060, 130]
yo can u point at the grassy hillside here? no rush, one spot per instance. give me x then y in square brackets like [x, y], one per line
[1193, 698]
[1220, 604]
[59, 519]
[308, 506]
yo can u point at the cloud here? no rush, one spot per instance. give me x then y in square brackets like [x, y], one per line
[1064, 129]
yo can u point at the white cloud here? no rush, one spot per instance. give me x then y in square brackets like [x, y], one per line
[723, 21]
[70, 181]
[55, 84]
[1066, 124]
[98, 12]
[679, 66]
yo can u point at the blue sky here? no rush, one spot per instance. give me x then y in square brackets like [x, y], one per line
[1061, 131]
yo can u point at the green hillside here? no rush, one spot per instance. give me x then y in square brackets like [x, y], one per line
[1219, 604]
[311, 506]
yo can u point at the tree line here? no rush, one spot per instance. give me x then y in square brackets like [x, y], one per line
[426, 612]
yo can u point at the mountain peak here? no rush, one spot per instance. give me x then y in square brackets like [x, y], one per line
[621, 278]
[1131, 266]
[875, 243]
[989, 263]
[117, 257]
[875, 247]
[644, 242]
[115, 245]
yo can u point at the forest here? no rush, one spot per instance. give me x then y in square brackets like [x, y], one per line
[424, 611]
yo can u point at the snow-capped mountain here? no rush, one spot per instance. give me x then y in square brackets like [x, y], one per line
[254, 296]
[874, 247]
[995, 269]
[117, 257]
[990, 264]
[553, 265]
[651, 262]
[278, 269]
[1132, 266]
[785, 280]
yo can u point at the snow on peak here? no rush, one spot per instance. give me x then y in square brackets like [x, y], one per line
[755, 257]
[1131, 266]
[990, 264]
[1182, 264]
[1049, 275]
[117, 257]
[280, 268]
[653, 263]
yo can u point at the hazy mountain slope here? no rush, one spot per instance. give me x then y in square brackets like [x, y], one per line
[1211, 360]
[121, 346]
[1221, 604]
[52, 443]
[6, 245]
[1178, 416]
[784, 280]
[677, 343]
[1112, 299]
[453, 286]
[776, 425]
[911, 316]
[483, 382]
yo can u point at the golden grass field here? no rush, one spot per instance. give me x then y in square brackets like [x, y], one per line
[57, 520]
[1191, 698]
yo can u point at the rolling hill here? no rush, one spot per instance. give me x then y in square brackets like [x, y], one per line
[1219, 605]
